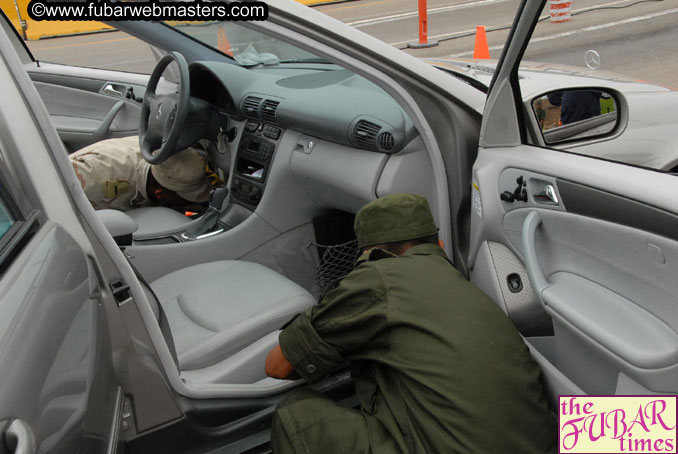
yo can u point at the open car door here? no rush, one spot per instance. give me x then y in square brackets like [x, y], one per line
[581, 252]
[58, 391]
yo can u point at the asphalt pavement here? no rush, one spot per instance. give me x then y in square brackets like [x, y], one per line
[636, 38]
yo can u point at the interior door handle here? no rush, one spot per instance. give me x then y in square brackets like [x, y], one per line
[534, 272]
[547, 195]
[109, 90]
[19, 438]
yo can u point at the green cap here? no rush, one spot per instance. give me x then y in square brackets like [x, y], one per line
[397, 217]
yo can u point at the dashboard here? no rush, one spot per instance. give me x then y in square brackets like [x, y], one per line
[206, 86]
[323, 103]
[331, 104]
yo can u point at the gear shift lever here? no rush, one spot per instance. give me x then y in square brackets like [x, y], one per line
[219, 198]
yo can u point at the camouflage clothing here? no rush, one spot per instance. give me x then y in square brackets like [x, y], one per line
[114, 174]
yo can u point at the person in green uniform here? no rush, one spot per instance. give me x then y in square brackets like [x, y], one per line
[437, 366]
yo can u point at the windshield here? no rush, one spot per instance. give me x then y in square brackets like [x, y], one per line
[246, 46]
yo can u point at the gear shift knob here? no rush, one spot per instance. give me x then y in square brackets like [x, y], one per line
[217, 197]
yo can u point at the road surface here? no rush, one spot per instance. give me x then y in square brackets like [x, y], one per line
[634, 38]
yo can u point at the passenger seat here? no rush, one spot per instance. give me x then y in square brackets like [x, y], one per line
[216, 310]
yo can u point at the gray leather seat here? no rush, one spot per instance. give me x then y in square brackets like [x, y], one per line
[215, 310]
[222, 317]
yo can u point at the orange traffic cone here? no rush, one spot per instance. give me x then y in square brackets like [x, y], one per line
[481, 51]
[222, 42]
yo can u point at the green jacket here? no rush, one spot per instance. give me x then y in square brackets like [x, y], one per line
[438, 367]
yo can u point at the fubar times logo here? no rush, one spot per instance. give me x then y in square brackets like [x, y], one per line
[617, 424]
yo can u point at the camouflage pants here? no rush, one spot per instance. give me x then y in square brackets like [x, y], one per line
[308, 422]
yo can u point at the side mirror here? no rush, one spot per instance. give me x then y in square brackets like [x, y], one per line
[569, 115]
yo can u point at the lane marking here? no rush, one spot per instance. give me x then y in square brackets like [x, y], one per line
[338, 8]
[408, 14]
[136, 60]
[38, 49]
[318, 2]
[508, 24]
[582, 30]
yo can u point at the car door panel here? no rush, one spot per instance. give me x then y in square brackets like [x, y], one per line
[500, 273]
[78, 115]
[595, 238]
[109, 83]
[91, 79]
[80, 99]
[604, 287]
[607, 252]
[53, 346]
[81, 83]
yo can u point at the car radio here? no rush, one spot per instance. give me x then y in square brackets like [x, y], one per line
[255, 152]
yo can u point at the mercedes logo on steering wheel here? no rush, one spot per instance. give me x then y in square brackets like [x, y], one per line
[158, 113]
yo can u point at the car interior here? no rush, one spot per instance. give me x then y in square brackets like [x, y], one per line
[582, 264]
[300, 146]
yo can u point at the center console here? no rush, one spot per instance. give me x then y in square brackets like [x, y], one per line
[253, 161]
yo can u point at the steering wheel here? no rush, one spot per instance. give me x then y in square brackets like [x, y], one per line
[163, 116]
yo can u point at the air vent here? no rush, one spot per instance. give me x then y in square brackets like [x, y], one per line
[268, 109]
[251, 106]
[365, 135]
[386, 141]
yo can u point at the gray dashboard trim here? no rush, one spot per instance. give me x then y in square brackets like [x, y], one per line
[591, 202]
[407, 103]
[325, 107]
